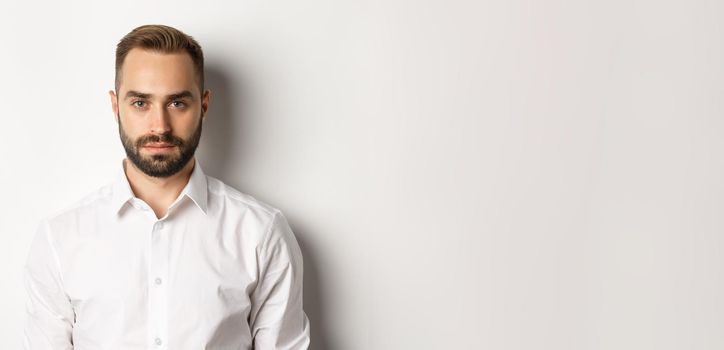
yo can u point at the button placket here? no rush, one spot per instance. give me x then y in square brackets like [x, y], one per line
[158, 294]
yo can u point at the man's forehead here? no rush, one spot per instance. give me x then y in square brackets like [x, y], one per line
[129, 91]
[157, 74]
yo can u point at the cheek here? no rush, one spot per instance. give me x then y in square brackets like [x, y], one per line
[130, 133]
[185, 127]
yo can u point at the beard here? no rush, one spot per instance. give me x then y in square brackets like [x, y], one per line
[161, 164]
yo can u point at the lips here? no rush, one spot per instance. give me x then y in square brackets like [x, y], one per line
[157, 148]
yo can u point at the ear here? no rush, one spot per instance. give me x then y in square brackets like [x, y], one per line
[114, 104]
[205, 99]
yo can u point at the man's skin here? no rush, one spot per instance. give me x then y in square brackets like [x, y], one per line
[160, 76]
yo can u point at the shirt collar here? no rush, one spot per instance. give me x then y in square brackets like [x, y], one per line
[196, 188]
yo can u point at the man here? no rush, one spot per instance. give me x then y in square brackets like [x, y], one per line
[164, 257]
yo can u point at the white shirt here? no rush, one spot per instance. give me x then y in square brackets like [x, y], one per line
[221, 270]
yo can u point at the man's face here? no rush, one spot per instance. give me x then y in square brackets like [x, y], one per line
[159, 111]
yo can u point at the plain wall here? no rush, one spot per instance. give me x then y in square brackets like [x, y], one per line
[460, 174]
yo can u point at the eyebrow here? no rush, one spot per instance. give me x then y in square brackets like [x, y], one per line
[174, 96]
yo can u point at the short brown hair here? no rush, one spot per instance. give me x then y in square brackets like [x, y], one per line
[161, 38]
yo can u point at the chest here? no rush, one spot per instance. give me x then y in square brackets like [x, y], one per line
[122, 273]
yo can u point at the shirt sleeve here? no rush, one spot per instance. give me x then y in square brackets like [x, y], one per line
[277, 319]
[49, 314]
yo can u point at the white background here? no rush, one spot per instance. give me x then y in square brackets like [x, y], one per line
[460, 174]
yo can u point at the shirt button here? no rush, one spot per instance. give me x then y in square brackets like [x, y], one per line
[159, 225]
[158, 341]
[158, 280]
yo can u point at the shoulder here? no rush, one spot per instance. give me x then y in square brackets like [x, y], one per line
[245, 209]
[86, 205]
[274, 238]
[227, 195]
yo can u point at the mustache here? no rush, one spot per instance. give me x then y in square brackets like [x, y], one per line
[165, 138]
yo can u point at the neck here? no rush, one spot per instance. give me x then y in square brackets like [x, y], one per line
[157, 192]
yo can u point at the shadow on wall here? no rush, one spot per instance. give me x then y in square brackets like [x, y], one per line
[224, 152]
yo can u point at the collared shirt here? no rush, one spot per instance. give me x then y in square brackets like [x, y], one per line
[220, 270]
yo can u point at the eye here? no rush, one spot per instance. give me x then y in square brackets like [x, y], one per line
[178, 104]
[139, 103]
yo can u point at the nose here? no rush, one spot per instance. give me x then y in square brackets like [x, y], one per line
[160, 121]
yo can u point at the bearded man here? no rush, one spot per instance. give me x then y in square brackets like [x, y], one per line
[164, 257]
